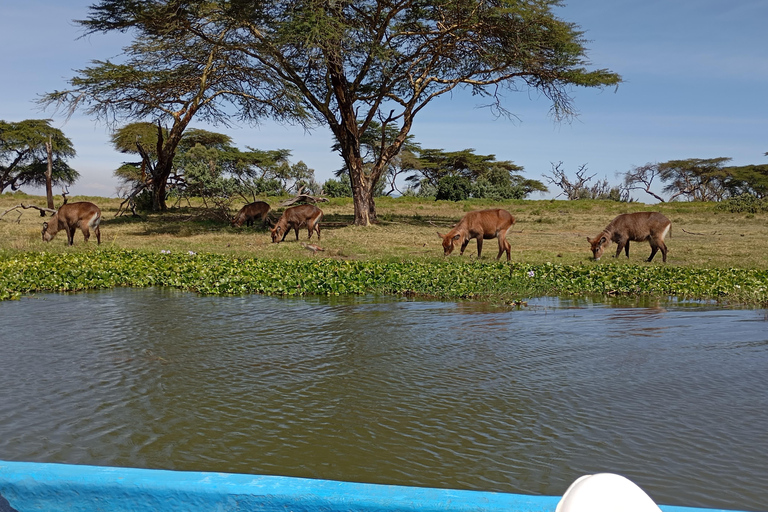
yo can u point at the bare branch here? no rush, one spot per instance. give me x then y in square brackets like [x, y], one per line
[26, 207]
[572, 190]
[304, 198]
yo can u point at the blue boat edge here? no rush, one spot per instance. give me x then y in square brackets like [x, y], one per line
[27, 486]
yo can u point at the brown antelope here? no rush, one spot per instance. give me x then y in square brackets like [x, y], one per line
[295, 217]
[250, 212]
[633, 227]
[83, 215]
[482, 225]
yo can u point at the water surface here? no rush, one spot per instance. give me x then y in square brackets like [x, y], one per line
[437, 394]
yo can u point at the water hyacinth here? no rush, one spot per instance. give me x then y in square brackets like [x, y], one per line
[214, 274]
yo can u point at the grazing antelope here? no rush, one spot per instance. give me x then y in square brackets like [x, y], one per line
[250, 212]
[633, 227]
[83, 215]
[481, 225]
[296, 217]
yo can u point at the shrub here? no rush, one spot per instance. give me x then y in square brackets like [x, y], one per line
[337, 188]
[453, 188]
[744, 203]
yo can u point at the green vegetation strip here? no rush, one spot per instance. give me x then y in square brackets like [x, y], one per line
[452, 278]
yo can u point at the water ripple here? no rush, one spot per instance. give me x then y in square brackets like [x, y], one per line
[415, 393]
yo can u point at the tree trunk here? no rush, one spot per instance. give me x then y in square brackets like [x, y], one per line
[159, 182]
[49, 173]
[158, 198]
[361, 199]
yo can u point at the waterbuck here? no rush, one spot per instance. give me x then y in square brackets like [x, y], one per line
[296, 217]
[633, 227]
[83, 215]
[250, 212]
[481, 225]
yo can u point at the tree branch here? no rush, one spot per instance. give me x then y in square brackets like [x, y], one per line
[26, 207]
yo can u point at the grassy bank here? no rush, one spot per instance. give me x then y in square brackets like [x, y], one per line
[712, 255]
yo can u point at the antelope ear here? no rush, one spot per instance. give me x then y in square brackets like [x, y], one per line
[603, 241]
[457, 237]
[45, 225]
[441, 236]
[589, 240]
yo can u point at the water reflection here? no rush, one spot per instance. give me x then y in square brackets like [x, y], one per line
[460, 395]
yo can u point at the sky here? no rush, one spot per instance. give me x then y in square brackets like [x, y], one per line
[695, 85]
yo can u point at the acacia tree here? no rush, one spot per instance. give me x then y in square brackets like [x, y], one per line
[208, 165]
[472, 174]
[169, 75]
[700, 179]
[382, 60]
[748, 179]
[24, 157]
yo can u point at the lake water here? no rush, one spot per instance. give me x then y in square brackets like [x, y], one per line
[439, 394]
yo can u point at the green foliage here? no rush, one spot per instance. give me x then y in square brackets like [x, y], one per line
[453, 188]
[745, 203]
[207, 165]
[451, 172]
[383, 62]
[698, 179]
[124, 139]
[212, 274]
[351, 65]
[337, 188]
[24, 156]
[174, 76]
[747, 179]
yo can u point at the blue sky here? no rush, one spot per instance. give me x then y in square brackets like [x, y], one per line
[695, 84]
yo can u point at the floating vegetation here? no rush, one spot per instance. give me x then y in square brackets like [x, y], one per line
[451, 278]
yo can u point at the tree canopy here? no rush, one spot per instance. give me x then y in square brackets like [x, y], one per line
[700, 179]
[457, 175]
[353, 62]
[208, 165]
[24, 157]
[171, 75]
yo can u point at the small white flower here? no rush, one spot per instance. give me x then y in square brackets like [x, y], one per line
[165, 252]
[192, 253]
[531, 273]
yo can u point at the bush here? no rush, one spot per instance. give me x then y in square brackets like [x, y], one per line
[337, 188]
[143, 201]
[453, 188]
[744, 203]
[484, 189]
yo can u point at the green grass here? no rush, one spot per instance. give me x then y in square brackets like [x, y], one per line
[713, 255]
